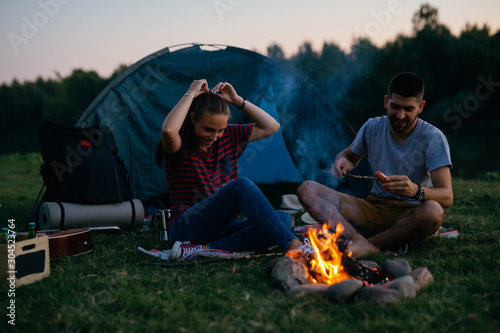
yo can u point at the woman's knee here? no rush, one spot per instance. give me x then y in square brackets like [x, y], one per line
[244, 183]
[240, 185]
[287, 220]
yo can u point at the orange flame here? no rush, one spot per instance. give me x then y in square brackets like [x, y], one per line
[326, 267]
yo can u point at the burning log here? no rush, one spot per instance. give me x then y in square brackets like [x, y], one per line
[332, 264]
[361, 272]
[326, 266]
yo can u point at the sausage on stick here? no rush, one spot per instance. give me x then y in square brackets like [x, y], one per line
[380, 176]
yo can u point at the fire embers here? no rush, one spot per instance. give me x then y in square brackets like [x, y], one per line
[333, 273]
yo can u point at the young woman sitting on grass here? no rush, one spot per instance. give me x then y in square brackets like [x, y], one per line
[201, 152]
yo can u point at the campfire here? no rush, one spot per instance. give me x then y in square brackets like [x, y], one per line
[333, 272]
[326, 267]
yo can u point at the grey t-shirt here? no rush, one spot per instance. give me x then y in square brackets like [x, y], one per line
[425, 150]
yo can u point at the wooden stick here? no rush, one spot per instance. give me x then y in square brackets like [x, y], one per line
[360, 177]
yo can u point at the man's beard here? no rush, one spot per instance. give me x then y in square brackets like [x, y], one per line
[396, 126]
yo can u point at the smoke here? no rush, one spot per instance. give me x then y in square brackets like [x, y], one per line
[314, 132]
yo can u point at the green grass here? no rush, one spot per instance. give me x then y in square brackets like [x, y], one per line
[110, 290]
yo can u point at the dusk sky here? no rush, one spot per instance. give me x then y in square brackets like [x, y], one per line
[40, 38]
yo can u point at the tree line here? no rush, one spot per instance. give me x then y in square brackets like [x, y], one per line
[462, 76]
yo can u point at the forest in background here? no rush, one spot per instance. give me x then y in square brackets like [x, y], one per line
[462, 76]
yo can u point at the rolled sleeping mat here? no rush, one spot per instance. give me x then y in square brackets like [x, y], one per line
[64, 215]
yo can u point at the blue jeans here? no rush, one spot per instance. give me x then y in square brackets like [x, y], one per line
[214, 221]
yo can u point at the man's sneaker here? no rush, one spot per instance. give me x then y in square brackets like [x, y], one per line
[184, 250]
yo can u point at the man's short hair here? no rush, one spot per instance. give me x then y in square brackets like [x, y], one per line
[407, 84]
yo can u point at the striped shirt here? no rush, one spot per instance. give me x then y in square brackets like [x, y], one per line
[194, 176]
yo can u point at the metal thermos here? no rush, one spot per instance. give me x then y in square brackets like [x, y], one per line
[162, 217]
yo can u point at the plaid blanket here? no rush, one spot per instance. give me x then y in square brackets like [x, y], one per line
[165, 254]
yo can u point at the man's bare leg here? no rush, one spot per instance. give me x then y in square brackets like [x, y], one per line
[323, 204]
[422, 223]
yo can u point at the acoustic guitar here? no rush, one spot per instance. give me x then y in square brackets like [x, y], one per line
[72, 242]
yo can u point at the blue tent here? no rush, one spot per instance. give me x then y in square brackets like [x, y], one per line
[312, 132]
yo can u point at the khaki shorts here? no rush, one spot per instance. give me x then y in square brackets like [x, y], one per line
[373, 215]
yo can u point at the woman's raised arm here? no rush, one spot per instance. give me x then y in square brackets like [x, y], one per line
[173, 122]
[264, 125]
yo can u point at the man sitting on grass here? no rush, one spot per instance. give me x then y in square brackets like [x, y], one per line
[414, 154]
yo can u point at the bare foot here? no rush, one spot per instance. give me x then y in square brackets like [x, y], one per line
[361, 248]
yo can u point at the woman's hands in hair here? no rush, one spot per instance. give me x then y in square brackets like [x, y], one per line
[227, 92]
[264, 124]
[198, 87]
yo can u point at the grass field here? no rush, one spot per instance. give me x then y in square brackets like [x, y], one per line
[111, 290]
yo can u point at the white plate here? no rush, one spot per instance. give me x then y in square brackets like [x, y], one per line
[290, 202]
[308, 219]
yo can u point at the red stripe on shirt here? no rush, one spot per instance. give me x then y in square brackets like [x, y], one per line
[193, 177]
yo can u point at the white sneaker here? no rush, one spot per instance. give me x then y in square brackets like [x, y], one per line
[184, 250]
